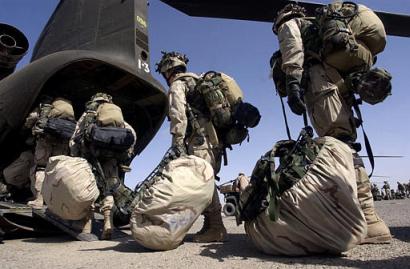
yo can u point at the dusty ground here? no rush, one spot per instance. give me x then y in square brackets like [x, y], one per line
[238, 252]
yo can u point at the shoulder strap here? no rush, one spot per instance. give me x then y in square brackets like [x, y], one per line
[366, 139]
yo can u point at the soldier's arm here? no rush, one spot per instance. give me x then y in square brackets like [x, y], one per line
[291, 47]
[177, 112]
[131, 149]
[74, 144]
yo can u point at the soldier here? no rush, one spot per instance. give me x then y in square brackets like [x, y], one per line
[194, 135]
[327, 101]
[401, 189]
[107, 142]
[48, 142]
[408, 190]
[386, 188]
[240, 183]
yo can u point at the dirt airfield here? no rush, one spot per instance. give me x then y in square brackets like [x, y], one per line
[63, 252]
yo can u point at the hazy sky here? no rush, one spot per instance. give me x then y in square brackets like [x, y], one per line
[242, 49]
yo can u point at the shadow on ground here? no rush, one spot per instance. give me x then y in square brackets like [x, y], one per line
[125, 245]
[401, 233]
[240, 248]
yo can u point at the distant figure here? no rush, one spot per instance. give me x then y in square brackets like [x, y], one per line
[408, 189]
[240, 183]
[386, 188]
[400, 189]
[375, 192]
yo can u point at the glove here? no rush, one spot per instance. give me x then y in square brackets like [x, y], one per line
[294, 99]
[179, 150]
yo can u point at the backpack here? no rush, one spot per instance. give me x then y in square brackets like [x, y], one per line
[111, 138]
[104, 130]
[60, 128]
[109, 114]
[230, 116]
[60, 109]
[351, 36]
[268, 182]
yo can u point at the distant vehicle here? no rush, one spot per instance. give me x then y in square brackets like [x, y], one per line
[231, 198]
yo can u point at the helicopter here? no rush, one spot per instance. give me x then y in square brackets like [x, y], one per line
[82, 66]
[75, 57]
[265, 11]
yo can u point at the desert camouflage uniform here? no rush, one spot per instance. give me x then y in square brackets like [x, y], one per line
[329, 109]
[110, 167]
[205, 147]
[46, 147]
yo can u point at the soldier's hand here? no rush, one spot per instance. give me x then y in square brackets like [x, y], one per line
[294, 99]
[179, 150]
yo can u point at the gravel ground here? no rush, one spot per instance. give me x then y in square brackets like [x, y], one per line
[237, 252]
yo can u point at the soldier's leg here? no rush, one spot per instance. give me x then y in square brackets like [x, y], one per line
[213, 229]
[377, 230]
[41, 154]
[330, 115]
[110, 168]
[107, 211]
[328, 111]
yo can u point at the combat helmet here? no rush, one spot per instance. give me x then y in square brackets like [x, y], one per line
[290, 11]
[170, 60]
[101, 97]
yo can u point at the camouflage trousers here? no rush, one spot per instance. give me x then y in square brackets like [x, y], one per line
[111, 177]
[213, 155]
[328, 111]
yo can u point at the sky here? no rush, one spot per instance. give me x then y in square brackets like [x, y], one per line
[242, 49]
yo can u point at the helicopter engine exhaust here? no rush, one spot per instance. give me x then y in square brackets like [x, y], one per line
[13, 46]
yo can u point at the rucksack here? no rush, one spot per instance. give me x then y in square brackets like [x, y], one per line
[59, 109]
[111, 138]
[109, 114]
[60, 128]
[224, 101]
[268, 183]
[351, 36]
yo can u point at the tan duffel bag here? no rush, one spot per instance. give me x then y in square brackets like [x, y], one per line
[18, 172]
[169, 207]
[69, 188]
[320, 214]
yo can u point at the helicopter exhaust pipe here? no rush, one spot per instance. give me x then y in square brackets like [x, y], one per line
[13, 46]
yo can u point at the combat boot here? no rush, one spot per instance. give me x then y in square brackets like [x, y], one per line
[38, 202]
[377, 230]
[215, 232]
[108, 224]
